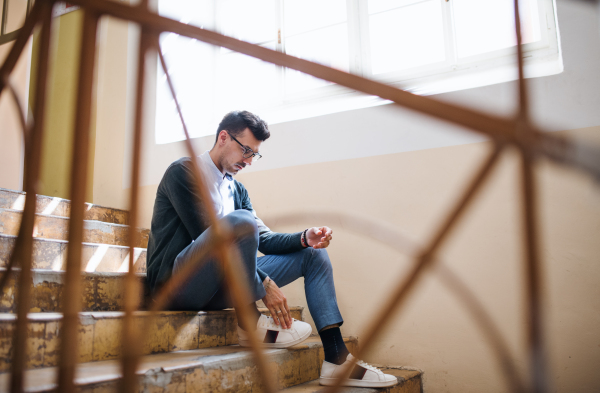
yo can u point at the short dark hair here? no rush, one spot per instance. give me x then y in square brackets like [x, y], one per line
[236, 122]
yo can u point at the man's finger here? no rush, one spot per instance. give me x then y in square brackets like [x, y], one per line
[289, 313]
[282, 318]
[274, 316]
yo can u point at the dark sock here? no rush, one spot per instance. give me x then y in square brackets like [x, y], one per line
[334, 346]
[253, 311]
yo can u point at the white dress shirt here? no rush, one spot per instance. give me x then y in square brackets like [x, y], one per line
[220, 187]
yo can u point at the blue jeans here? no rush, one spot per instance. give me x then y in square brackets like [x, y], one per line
[206, 290]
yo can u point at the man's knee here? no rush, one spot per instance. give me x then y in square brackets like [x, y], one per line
[317, 259]
[243, 224]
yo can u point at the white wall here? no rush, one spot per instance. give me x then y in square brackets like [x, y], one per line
[11, 134]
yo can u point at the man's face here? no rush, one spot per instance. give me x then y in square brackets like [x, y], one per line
[232, 160]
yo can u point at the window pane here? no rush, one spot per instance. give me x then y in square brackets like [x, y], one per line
[252, 21]
[405, 37]
[305, 15]
[190, 67]
[243, 82]
[328, 46]
[485, 26]
[192, 12]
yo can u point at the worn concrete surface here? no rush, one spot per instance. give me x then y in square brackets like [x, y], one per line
[56, 227]
[224, 369]
[100, 334]
[10, 199]
[51, 254]
[101, 291]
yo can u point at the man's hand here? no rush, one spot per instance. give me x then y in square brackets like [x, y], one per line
[277, 304]
[319, 237]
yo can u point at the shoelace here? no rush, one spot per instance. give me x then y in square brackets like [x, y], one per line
[271, 322]
[369, 367]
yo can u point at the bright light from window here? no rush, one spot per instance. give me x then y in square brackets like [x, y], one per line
[425, 46]
[486, 26]
[405, 36]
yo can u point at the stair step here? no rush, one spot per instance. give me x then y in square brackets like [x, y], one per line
[10, 199]
[229, 368]
[100, 334]
[57, 227]
[52, 254]
[409, 381]
[101, 291]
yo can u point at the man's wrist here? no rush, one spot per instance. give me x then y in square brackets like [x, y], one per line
[267, 282]
[303, 239]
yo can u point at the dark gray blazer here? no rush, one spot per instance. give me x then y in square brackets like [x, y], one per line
[177, 220]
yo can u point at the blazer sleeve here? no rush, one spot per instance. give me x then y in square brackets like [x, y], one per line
[270, 243]
[184, 197]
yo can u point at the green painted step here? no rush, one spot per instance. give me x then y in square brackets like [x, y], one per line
[10, 199]
[52, 254]
[57, 227]
[100, 334]
[409, 381]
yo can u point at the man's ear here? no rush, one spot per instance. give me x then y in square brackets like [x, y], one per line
[222, 137]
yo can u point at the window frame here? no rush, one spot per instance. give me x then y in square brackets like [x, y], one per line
[541, 58]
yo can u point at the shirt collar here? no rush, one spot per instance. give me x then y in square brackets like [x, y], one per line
[213, 172]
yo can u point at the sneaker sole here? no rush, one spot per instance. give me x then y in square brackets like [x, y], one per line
[279, 345]
[358, 383]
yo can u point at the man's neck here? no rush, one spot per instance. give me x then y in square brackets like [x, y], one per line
[213, 156]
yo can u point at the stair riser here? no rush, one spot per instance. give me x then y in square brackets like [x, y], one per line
[61, 207]
[101, 292]
[288, 368]
[95, 257]
[54, 227]
[100, 335]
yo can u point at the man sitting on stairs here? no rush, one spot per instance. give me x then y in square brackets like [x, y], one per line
[179, 233]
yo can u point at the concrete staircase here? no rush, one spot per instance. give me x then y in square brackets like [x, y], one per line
[185, 351]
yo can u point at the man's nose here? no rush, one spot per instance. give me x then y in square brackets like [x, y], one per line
[247, 161]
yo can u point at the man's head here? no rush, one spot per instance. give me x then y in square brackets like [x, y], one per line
[239, 135]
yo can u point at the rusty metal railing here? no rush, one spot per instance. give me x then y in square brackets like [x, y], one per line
[514, 131]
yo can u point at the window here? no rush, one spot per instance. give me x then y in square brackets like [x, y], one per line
[423, 46]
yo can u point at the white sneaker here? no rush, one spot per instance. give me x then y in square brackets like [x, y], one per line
[363, 375]
[274, 336]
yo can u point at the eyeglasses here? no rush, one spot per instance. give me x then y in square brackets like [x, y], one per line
[248, 152]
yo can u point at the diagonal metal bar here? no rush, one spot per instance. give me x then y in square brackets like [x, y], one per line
[533, 292]
[24, 247]
[425, 259]
[130, 337]
[81, 143]
[229, 258]
[499, 128]
[533, 276]
[523, 109]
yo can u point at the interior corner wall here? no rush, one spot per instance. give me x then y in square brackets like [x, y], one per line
[11, 134]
